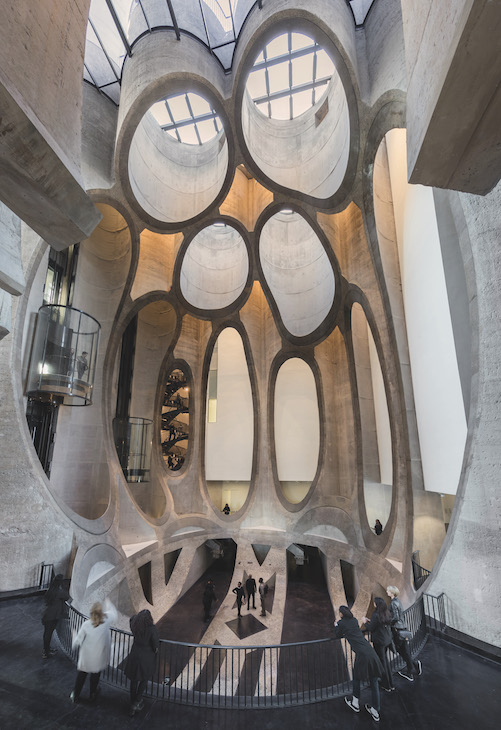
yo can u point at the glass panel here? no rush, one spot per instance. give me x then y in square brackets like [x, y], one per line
[108, 33]
[188, 134]
[299, 41]
[256, 83]
[325, 67]
[179, 108]
[225, 55]
[302, 70]
[278, 46]
[278, 77]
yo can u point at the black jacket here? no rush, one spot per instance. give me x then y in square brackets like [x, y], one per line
[380, 633]
[141, 662]
[250, 586]
[367, 662]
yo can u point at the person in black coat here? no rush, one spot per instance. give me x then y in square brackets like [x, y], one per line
[366, 665]
[209, 596]
[140, 664]
[401, 643]
[55, 608]
[250, 587]
[240, 594]
[379, 626]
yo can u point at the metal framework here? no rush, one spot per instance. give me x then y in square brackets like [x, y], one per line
[215, 23]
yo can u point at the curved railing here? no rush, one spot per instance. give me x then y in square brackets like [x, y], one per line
[244, 677]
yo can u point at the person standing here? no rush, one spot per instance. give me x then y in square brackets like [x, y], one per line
[94, 641]
[55, 608]
[263, 590]
[140, 664]
[250, 587]
[400, 641]
[240, 594]
[366, 665]
[209, 596]
[378, 528]
[82, 364]
[379, 626]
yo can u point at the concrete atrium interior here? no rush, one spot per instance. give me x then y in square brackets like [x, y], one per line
[250, 255]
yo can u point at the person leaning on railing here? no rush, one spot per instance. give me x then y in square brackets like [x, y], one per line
[366, 666]
[401, 635]
[379, 627]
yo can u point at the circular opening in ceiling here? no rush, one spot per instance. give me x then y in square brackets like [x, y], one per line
[187, 118]
[295, 117]
[290, 75]
[178, 159]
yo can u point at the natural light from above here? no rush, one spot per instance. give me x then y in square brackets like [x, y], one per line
[289, 76]
[187, 118]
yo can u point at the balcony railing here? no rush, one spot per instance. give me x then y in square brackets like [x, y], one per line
[244, 677]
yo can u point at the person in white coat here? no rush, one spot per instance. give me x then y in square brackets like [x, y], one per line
[94, 641]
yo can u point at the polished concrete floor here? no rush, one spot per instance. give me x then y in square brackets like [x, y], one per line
[457, 690]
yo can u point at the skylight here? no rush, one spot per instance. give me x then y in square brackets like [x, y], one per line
[187, 118]
[289, 76]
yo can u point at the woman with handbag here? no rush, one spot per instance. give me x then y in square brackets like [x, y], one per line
[379, 627]
[401, 635]
[94, 641]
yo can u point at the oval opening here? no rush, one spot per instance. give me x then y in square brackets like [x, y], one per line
[295, 118]
[375, 423]
[297, 429]
[297, 270]
[229, 427]
[178, 158]
[175, 423]
[215, 267]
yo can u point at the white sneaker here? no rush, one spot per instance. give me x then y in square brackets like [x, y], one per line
[373, 713]
[350, 703]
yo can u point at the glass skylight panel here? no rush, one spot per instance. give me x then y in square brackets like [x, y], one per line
[279, 77]
[256, 83]
[160, 112]
[206, 130]
[325, 67]
[179, 108]
[278, 47]
[123, 9]
[222, 11]
[107, 31]
[199, 105]
[302, 70]
[188, 134]
[299, 41]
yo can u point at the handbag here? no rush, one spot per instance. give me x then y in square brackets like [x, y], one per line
[404, 633]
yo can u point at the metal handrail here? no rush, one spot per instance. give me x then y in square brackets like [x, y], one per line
[276, 675]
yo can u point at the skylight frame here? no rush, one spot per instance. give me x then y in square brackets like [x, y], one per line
[291, 90]
[192, 120]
